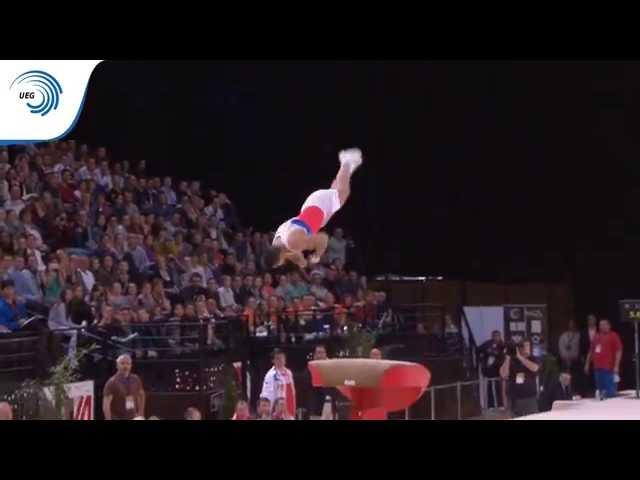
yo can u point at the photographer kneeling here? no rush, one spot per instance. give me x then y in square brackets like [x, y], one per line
[520, 370]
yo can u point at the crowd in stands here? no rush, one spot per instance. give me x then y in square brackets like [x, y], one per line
[86, 240]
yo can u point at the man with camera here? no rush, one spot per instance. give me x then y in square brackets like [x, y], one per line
[520, 371]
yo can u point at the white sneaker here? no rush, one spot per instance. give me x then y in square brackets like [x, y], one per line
[352, 157]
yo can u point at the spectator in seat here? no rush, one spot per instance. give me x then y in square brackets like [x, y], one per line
[87, 171]
[145, 298]
[97, 232]
[258, 246]
[6, 412]
[273, 313]
[115, 296]
[84, 275]
[349, 285]
[226, 294]
[60, 319]
[104, 179]
[119, 209]
[13, 224]
[318, 290]
[559, 390]
[31, 229]
[167, 189]
[105, 275]
[267, 289]
[256, 290]
[79, 309]
[339, 265]
[163, 208]
[212, 289]
[249, 313]
[160, 297]
[182, 248]
[13, 317]
[246, 290]
[193, 289]
[229, 267]
[240, 247]
[192, 413]
[605, 354]
[11, 311]
[168, 272]
[263, 410]
[130, 206]
[520, 373]
[131, 292]
[136, 257]
[27, 281]
[242, 411]
[297, 288]
[53, 283]
[280, 411]
[330, 281]
[213, 310]
[236, 285]
[283, 287]
[143, 325]
[124, 396]
[371, 310]
[15, 202]
[32, 249]
[375, 354]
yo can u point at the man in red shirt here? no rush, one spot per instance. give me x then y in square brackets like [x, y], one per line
[606, 353]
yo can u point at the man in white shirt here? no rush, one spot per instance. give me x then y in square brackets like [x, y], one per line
[585, 382]
[337, 246]
[104, 176]
[89, 171]
[15, 201]
[169, 192]
[30, 229]
[227, 298]
[569, 347]
[32, 249]
[85, 275]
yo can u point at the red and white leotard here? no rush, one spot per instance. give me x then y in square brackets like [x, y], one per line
[316, 211]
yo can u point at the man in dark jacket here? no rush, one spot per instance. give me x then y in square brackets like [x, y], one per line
[558, 390]
[318, 395]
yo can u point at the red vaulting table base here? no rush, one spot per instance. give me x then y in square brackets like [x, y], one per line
[374, 387]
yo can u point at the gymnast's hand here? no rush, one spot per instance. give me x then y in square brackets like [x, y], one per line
[349, 154]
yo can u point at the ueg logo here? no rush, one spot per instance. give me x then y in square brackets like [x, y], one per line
[39, 90]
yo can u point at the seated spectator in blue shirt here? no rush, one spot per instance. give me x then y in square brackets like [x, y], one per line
[163, 209]
[25, 282]
[10, 310]
[296, 288]
[349, 285]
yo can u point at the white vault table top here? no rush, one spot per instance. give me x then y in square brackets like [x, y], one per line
[623, 407]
